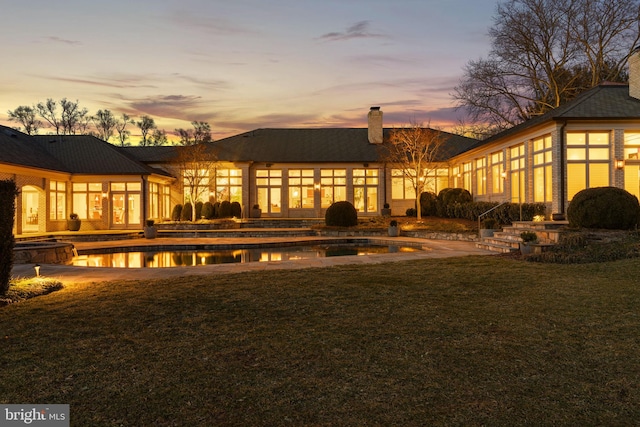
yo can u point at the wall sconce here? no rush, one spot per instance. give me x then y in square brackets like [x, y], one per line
[36, 268]
[366, 165]
[105, 195]
[268, 165]
[316, 186]
[619, 164]
[504, 174]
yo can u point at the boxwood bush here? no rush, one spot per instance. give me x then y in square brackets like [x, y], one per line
[8, 194]
[428, 204]
[341, 214]
[604, 207]
[236, 209]
[176, 213]
[207, 210]
[187, 212]
[224, 211]
[449, 197]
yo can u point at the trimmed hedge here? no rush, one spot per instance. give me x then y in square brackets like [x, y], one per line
[176, 213]
[224, 211]
[187, 212]
[207, 210]
[604, 207]
[198, 210]
[341, 214]
[428, 204]
[8, 194]
[236, 209]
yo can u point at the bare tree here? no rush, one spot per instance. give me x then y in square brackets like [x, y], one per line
[105, 123]
[198, 164]
[201, 133]
[73, 118]
[121, 128]
[26, 116]
[158, 137]
[414, 150]
[546, 52]
[48, 111]
[146, 125]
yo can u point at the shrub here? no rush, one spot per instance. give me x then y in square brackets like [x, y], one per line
[529, 237]
[411, 212]
[428, 204]
[187, 212]
[489, 224]
[449, 197]
[207, 210]
[216, 210]
[341, 214]
[198, 209]
[604, 207]
[236, 210]
[8, 194]
[176, 213]
[225, 209]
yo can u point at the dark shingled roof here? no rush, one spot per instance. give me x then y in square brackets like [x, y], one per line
[20, 149]
[335, 145]
[83, 154]
[152, 154]
[610, 101]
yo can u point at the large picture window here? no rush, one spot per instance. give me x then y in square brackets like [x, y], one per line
[301, 188]
[542, 166]
[333, 186]
[587, 161]
[497, 167]
[57, 200]
[481, 176]
[229, 185]
[467, 176]
[87, 200]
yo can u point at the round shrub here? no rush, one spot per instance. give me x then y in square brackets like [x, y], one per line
[225, 209]
[428, 203]
[454, 195]
[207, 210]
[341, 214]
[216, 210]
[187, 212]
[236, 209]
[604, 207]
[411, 212]
[176, 213]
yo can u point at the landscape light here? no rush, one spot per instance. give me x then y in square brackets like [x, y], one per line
[36, 268]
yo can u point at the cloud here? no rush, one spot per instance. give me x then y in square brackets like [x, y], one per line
[359, 30]
[181, 107]
[57, 39]
[207, 23]
[118, 83]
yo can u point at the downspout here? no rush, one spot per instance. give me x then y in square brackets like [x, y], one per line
[562, 167]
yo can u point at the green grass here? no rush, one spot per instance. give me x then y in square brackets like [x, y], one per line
[460, 341]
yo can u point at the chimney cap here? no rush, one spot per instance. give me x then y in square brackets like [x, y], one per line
[375, 108]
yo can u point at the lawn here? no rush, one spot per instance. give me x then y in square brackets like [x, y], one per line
[459, 341]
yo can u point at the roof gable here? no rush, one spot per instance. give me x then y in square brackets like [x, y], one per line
[21, 149]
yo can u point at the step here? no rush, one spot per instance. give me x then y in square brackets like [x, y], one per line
[495, 248]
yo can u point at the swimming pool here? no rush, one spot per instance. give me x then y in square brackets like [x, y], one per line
[178, 256]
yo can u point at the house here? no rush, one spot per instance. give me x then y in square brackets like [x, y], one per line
[591, 141]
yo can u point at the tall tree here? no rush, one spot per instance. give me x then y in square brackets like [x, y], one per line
[26, 116]
[105, 123]
[72, 118]
[414, 149]
[121, 128]
[146, 125]
[49, 111]
[158, 137]
[201, 133]
[546, 52]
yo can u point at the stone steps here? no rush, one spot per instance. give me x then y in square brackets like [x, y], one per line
[508, 240]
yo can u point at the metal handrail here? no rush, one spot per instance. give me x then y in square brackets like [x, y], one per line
[493, 208]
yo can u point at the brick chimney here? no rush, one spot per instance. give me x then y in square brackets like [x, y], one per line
[375, 125]
[634, 73]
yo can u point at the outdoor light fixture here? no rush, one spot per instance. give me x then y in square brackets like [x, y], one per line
[36, 268]
[504, 174]
[316, 186]
[619, 164]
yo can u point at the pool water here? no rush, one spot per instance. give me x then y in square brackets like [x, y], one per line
[186, 258]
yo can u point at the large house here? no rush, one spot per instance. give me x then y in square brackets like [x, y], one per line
[591, 141]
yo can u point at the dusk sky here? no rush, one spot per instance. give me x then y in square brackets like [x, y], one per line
[244, 64]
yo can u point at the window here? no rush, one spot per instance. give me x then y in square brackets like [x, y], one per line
[401, 187]
[587, 161]
[87, 200]
[497, 168]
[365, 190]
[154, 200]
[457, 177]
[229, 185]
[125, 203]
[481, 176]
[333, 186]
[467, 177]
[269, 187]
[518, 173]
[301, 188]
[57, 200]
[166, 201]
[632, 146]
[632, 163]
[542, 183]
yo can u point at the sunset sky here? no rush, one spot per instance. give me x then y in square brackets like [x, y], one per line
[244, 64]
